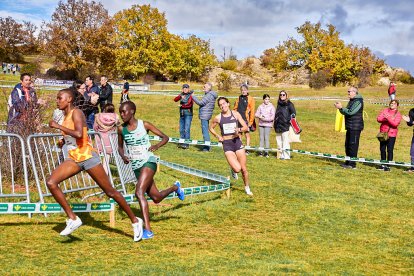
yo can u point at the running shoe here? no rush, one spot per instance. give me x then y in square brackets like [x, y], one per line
[180, 191]
[247, 189]
[137, 227]
[71, 225]
[233, 174]
[147, 234]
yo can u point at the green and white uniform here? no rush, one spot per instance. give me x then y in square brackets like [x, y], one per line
[137, 142]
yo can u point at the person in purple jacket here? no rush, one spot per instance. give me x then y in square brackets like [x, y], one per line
[266, 114]
[389, 118]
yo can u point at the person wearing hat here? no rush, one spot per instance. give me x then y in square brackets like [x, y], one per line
[186, 113]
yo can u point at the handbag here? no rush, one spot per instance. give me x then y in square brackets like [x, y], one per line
[294, 124]
[293, 137]
[382, 136]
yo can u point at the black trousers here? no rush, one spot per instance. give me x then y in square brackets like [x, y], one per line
[387, 147]
[352, 145]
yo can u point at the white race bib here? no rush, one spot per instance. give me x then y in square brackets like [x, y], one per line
[70, 142]
[229, 128]
[137, 152]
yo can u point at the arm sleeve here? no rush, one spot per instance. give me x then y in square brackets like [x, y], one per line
[251, 107]
[176, 99]
[353, 110]
[201, 102]
[395, 120]
[380, 117]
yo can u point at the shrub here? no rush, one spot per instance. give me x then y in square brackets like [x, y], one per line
[223, 82]
[319, 80]
[31, 68]
[229, 64]
[405, 77]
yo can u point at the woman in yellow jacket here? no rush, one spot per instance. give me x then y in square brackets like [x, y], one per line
[245, 106]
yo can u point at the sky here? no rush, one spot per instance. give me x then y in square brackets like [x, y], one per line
[249, 27]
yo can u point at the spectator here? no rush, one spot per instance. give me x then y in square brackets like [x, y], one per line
[284, 112]
[186, 113]
[4, 68]
[410, 122]
[105, 92]
[245, 105]
[392, 90]
[22, 98]
[389, 118]
[206, 111]
[125, 92]
[354, 124]
[91, 92]
[266, 115]
[106, 123]
[14, 69]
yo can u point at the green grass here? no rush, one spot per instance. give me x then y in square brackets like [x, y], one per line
[307, 216]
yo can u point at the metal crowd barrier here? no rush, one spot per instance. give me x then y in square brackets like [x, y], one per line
[14, 180]
[125, 172]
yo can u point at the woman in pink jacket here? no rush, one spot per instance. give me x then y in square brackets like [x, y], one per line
[266, 114]
[106, 123]
[389, 118]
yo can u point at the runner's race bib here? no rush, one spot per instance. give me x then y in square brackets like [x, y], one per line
[229, 128]
[137, 152]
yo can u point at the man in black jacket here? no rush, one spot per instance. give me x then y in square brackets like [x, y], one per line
[105, 92]
[354, 124]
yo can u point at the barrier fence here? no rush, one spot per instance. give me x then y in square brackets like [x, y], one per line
[14, 180]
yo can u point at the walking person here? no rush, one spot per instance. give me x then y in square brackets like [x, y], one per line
[410, 122]
[389, 118]
[245, 105]
[266, 115]
[125, 91]
[354, 124]
[81, 157]
[206, 111]
[392, 90]
[144, 163]
[186, 113]
[284, 112]
[229, 121]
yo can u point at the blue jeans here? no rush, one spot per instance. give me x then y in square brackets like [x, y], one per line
[90, 119]
[185, 126]
[206, 134]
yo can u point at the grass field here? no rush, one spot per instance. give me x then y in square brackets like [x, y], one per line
[307, 216]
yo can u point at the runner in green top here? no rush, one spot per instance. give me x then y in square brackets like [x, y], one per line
[144, 163]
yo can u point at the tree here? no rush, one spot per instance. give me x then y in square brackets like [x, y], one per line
[12, 38]
[141, 40]
[323, 52]
[78, 36]
[144, 46]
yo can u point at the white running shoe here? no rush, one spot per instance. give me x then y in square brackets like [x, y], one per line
[248, 192]
[234, 174]
[137, 226]
[71, 225]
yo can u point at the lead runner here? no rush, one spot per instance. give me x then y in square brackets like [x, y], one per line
[81, 157]
[144, 163]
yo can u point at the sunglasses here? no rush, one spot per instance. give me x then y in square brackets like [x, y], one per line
[282, 95]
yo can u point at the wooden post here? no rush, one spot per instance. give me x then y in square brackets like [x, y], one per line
[228, 193]
[112, 217]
